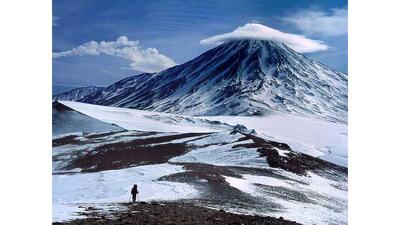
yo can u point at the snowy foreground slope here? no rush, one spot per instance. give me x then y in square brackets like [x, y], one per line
[318, 138]
[233, 171]
[204, 160]
[243, 77]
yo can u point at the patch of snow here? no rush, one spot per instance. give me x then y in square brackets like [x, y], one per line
[65, 212]
[241, 184]
[217, 138]
[218, 151]
[115, 185]
[328, 206]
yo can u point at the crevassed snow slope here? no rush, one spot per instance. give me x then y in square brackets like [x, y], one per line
[315, 137]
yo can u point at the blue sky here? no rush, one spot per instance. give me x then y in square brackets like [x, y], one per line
[175, 27]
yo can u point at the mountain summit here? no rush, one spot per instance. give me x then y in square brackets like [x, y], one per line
[243, 77]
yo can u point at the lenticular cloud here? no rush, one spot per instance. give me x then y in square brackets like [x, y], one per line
[256, 31]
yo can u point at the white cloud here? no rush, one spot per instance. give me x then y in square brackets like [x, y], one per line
[144, 60]
[332, 23]
[260, 32]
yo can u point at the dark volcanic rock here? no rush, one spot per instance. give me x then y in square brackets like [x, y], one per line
[174, 213]
[294, 162]
[239, 128]
[126, 154]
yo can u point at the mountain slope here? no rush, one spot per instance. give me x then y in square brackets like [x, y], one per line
[246, 77]
[67, 120]
[77, 93]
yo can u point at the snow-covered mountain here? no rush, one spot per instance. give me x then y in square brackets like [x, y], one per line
[243, 77]
[77, 93]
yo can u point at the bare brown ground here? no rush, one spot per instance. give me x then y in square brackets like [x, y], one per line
[170, 213]
[132, 153]
[294, 162]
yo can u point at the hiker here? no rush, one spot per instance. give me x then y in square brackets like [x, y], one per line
[134, 192]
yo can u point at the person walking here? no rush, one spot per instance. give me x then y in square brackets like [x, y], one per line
[134, 192]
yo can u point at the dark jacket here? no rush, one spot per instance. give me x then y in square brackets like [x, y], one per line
[134, 191]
